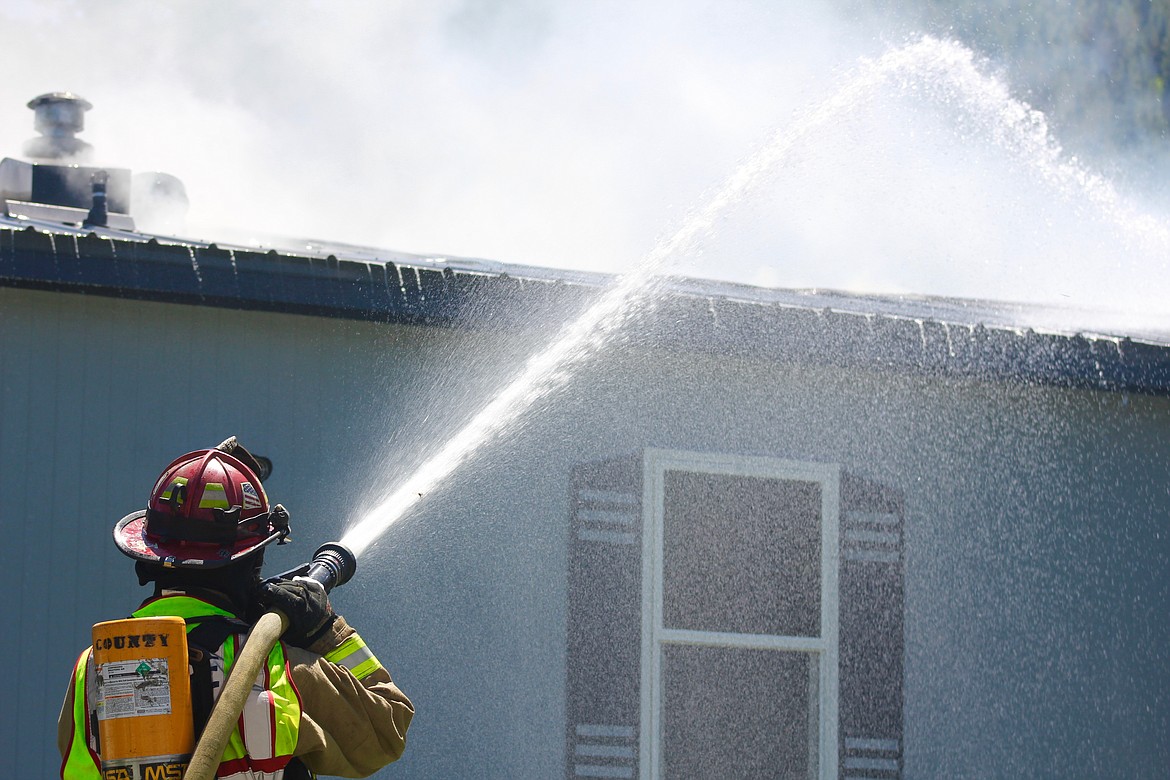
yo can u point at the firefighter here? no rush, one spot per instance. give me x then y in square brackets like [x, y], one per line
[334, 710]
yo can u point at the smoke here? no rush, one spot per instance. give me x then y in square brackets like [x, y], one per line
[569, 135]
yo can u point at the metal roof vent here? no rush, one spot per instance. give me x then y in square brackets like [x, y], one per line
[59, 117]
[57, 184]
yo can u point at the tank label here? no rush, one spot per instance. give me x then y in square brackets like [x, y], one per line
[129, 689]
[151, 768]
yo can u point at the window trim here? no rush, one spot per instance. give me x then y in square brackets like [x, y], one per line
[655, 464]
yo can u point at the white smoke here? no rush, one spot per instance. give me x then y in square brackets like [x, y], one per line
[564, 134]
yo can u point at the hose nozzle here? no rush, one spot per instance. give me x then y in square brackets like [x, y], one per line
[333, 564]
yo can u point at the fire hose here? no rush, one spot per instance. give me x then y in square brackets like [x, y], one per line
[332, 565]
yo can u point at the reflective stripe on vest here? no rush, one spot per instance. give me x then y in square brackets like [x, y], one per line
[265, 736]
[81, 762]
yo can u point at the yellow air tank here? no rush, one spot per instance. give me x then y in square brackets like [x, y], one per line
[145, 727]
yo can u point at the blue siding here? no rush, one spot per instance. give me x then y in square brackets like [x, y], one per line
[1036, 549]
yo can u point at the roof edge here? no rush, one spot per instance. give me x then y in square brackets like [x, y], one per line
[787, 326]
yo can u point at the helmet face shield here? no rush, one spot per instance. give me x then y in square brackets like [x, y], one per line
[207, 509]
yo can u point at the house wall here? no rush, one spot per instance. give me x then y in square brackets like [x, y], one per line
[1036, 546]
[1036, 543]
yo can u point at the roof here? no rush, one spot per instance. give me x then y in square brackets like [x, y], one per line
[936, 336]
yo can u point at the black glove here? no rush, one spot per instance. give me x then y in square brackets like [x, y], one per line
[306, 605]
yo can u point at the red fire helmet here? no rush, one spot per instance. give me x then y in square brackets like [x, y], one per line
[207, 509]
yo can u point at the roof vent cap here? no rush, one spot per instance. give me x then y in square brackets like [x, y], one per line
[59, 116]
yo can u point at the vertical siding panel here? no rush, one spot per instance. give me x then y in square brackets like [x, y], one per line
[230, 383]
[225, 395]
[312, 404]
[107, 342]
[109, 432]
[160, 362]
[65, 583]
[194, 393]
[250, 384]
[297, 369]
[318, 403]
[124, 370]
[35, 538]
[190, 335]
[143, 438]
[15, 346]
[90, 444]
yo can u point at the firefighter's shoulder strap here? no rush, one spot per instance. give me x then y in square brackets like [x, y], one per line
[204, 640]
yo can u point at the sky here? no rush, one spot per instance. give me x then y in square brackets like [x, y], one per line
[577, 134]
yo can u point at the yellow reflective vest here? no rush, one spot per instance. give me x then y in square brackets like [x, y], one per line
[265, 737]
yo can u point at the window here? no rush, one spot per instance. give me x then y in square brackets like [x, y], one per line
[733, 616]
[739, 632]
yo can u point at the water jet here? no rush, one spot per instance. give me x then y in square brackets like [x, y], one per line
[938, 69]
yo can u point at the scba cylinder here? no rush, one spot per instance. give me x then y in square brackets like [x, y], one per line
[145, 727]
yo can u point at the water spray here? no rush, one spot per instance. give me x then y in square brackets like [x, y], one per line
[549, 369]
[332, 565]
[944, 69]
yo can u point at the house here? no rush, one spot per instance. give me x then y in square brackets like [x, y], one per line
[757, 533]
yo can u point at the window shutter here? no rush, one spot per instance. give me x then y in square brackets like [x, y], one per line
[604, 619]
[871, 625]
